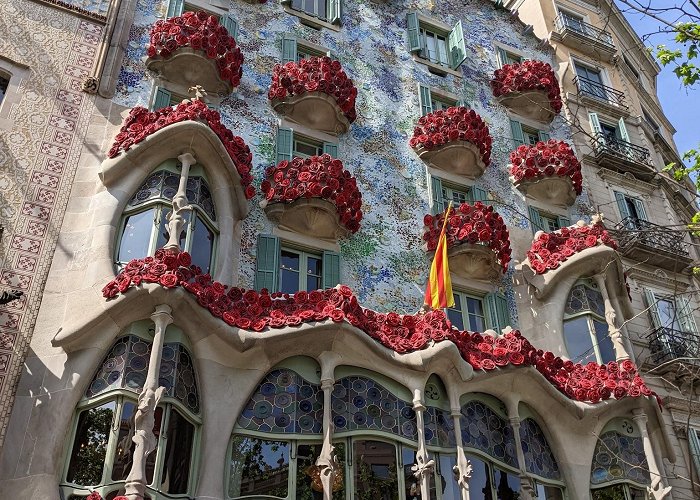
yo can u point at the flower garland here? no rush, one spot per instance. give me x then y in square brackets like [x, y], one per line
[526, 76]
[452, 124]
[316, 177]
[201, 32]
[315, 74]
[141, 123]
[546, 159]
[258, 311]
[472, 224]
[549, 250]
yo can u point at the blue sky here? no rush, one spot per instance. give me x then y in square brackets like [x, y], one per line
[680, 104]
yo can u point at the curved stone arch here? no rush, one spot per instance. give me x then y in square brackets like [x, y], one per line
[618, 456]
[551, 439]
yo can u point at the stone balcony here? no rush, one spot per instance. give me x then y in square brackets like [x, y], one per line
[584, 37]
[653, 244]
[623, 156]
[669, 348]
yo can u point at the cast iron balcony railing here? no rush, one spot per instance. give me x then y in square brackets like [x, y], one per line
[606, 144]
[642, 232]
[591, 88]
[667, 344]
[564, 22]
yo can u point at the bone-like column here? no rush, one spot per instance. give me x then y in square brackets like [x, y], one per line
[657, 489]
[424, 466]
[621, 353]
[526, 490]
[463, 469]
[176, 218]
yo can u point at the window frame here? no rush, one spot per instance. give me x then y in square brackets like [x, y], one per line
[464, 298]
[536, 214]
[417, 24]
[518, 126]
[621, 197]
[332, 19]
[508, 55]
[428, 96]
[303, 267]
[438, 203]
[286, 137]
[15, 72]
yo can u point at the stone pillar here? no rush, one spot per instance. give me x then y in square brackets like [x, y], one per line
[657, 490]
[424, 466]
[327, 460]
[623, 327]
[176, 218]
[621, 353]
[145, 414]
[463, 469]
[526, 490]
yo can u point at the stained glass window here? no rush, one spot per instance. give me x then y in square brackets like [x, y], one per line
[483, 429]
[538, 455]
[619, 457]
[439, 428]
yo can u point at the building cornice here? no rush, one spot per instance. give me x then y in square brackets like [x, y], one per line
[628, 180]
[658, 278]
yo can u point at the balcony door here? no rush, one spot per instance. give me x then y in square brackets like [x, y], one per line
[675, 331]
[591, 82]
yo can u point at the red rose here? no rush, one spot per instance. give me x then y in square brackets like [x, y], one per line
[488, 364]
[184, 259]
[168, 280]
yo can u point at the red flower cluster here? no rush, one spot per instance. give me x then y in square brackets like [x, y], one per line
[141, 123]
[200, 31]
[257, 311]
[452, 124]
[96, 496]
[316, 177]
[526, 76]
[549, 250]
[315, 74]
[471, 224]
[546, 159]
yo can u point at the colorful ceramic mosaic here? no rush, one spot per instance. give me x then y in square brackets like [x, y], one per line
[284, 403]
[539, 458]
[619, 457]
[483, 429]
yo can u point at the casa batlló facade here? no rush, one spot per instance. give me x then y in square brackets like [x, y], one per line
[221, 217]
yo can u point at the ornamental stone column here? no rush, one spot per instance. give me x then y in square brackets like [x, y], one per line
[621, 353]
[424, 466]
[144, 419]
[176, 218]
[657, 489]
[463, 469]
[327, 460]
[527, 491]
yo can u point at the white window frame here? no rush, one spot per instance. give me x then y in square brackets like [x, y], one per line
[510, 51]
[464, 296]
[304, 255]
[16, 72]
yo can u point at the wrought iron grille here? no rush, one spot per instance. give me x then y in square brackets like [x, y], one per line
[563, 22]
[667, 344]
[638, 231]
[603, 143]
[591, 88]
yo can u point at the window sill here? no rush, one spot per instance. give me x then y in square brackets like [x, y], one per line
[311, 21]
[436, 68]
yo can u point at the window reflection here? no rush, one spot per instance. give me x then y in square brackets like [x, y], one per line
[545, 492]
[90, 445]
[375, 470]
[480, 482]
[124, 451]
[178, 452]
[202, 245]
[308, 481]
[412, 483]
[449, 489]
[258, 467]
[136, 237]
[507, 485]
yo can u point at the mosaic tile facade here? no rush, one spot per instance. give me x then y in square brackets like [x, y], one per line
[38, 158]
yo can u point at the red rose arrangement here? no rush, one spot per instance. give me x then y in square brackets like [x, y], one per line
[452, 124]
[475, 224]
[316, 177]
[96, 496]
[141, 123]
[315, 74]
[259, 311]
[201, 32]
[549, 250]
[546, 159]
[526, 76]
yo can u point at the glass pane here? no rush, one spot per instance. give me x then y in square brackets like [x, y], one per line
[480, 482]
[314, 271]
[258, 467]
[667, 314]
[507, 485]
[163, 233]
[549, 492]
[4, 83]
[289, 271]
[430, 46]
[178, 452]
[136, 237]
[375, 471]
[578, 340]
[605, 345]
[616, 492]
[476, 314]
[124, 452]
[449, 488]
[411, 483]
[309, 484]
[90, 445]
[305, 149]
[442, 50]
[455, 313]
[202, 245]
[297, 4]
[636, 494]
[321, 9]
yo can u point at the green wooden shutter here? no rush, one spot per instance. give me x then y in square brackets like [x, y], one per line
[563, 221]
[331, 149]
[175, 8]
[517, 130]
[685, 314]
[622, 129]
[622, 205]
[331, 269]
[542, 136]
[231, 25]
[414, 41]
[497, 315]
[438, 200]
[694, 443]
[456, 46]
[595, 123]
[502, 56]
[639, 206]
[334, 11]
[535, 219]
[285, 144]
[653, 308]
[161, 99]
[267, 262]
[425, 100]
[289, 48]
[479, 194]
[461, 103]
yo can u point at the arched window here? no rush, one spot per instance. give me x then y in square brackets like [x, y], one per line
[620, 469]
[540, 462]
[585, 328]
[101, 446]
[144, 223]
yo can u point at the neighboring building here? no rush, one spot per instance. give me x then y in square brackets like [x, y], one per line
[327, 164]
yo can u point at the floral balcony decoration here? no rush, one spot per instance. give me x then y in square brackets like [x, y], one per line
[477, 241]
[530, 88]
[141, 123]
[314, 92]
[455, 140]
[262, 312]
[195, 49]
[314, 196]
[550, 250]
[548, 171]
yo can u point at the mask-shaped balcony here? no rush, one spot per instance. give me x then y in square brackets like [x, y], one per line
[529, 89]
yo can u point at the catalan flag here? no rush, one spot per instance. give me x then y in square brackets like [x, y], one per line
[438, 291]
